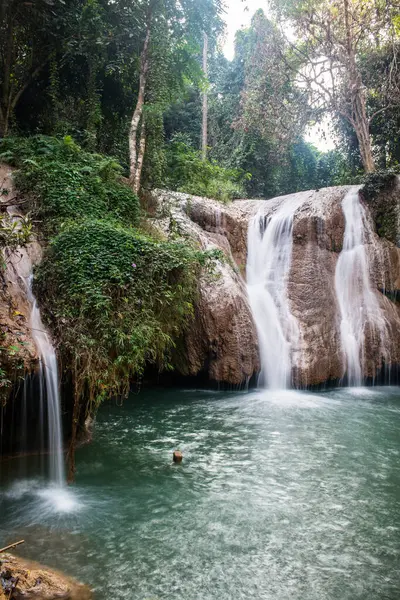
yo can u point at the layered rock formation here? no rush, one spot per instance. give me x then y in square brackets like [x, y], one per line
[222, 341]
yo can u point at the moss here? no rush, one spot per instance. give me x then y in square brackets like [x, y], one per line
[378, 191]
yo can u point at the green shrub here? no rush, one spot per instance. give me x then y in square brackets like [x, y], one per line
[189, 173]
[117, 299]
[377, 182]
[68, 183]
[384, 204]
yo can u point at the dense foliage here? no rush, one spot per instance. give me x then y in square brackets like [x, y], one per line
[188, 172]
[378, 192]
[257, 119]
[76, 68]
[117, 299]
[68, 182]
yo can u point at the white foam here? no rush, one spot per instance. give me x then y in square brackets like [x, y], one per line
[60, 499]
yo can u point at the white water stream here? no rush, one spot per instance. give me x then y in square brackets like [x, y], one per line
[270, 241]
[20, 275]
[48, 372]
[360, 311]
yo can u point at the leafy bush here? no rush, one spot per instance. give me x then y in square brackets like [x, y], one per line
[384, 205]
[377, 182]
[118, 299]
[189, 173]
[67, 182]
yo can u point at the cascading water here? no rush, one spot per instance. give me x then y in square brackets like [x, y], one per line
[48, 372]
[359, 307]
[20, 268]
[55, 495]
[270, 243]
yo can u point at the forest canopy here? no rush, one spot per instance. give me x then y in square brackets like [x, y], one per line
[132, 79]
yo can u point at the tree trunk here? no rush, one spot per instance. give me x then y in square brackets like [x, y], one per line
[133, 154]
[5, 99]
[3, 124]
[204, 134]
[75, 421]
[359, 117]
[139, 164]
[361, 127]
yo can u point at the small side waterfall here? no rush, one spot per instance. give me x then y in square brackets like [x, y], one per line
[270, 243]
[360, 311]
[20, 275]
[48, 377]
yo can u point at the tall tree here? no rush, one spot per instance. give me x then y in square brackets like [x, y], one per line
[271, 104]
[204, 134]
[184, 27]
[333, 35]
[135, 154]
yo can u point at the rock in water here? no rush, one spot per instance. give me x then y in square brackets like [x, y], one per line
[177, 456]
[21, 579]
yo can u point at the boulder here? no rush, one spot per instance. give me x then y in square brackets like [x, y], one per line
[21, 579]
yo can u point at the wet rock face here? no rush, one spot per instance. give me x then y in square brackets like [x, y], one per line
[22, 579]
[222, 340]
[18, 353]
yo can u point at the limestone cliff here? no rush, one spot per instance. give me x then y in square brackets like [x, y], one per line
[222, 341]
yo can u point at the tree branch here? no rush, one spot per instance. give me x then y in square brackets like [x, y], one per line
[27, 83]
[377, 112]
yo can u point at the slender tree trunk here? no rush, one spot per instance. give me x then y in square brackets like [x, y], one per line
[72, 444]
[361, 127]
[204, 133]
[357, 96]
[139, 164]
[133, 152]
[5, 99]
[2, 123]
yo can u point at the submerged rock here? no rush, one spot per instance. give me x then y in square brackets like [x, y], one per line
[22, 579]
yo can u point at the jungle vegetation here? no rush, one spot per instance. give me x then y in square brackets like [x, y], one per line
[126, 79]
[101, 100]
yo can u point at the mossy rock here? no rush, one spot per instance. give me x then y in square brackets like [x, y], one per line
[381, 191]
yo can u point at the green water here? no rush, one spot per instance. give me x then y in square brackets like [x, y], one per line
[283, 495]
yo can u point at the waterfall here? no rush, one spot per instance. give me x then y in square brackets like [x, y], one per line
[270, 243]
[48, 372]
[19, 272]
[360, 311]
